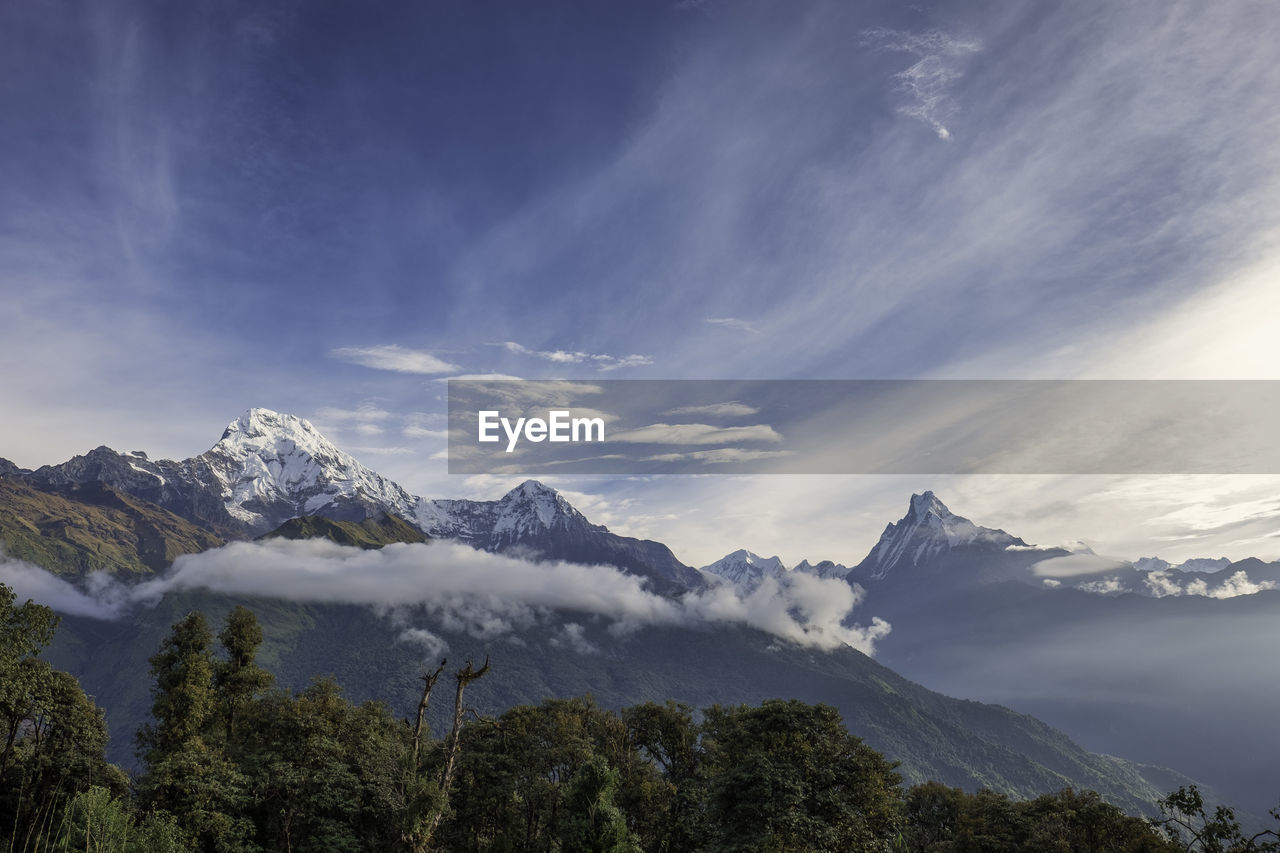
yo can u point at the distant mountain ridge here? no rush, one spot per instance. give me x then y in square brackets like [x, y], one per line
[747, 570]
[268, 468]
[535, 520]
[265, 469]
[926, 568]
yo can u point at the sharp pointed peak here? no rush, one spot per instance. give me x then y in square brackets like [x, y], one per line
[749, 555]
[529, 489]
[928, 529]
[927, 502]
[747, 568]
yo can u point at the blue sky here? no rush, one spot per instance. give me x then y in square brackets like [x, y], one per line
[326, 208]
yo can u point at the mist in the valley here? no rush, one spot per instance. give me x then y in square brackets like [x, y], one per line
[1189, 682]
[462, 589]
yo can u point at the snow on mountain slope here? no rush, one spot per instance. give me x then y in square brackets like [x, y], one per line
[266, 469]
[530, 508]
[1204, 565]
[273, 467]
[746, 570]
[825, 569]
[927, 530]
[536, 521]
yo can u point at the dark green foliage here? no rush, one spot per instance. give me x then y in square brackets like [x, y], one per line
[186, 772]
[326, 775]
[569, 775]
[931, 817]
[514, 774]
[24, 631]
[183, 692]
[54, 736]
[98, 821]
[939, 819]
[248, 771]
[669, 809]
[371, 533]
[592, 822]
[238, 679]
[1187, 823]
[233, 766]
[789, 776]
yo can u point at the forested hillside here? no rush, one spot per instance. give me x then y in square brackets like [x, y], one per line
[231, 763]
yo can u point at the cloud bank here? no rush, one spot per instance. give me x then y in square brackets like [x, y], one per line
[102, 598]
[488, 596]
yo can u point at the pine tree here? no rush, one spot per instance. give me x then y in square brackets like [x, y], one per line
[238, 679]
[183, 697]
[592, 821]
[185, 774]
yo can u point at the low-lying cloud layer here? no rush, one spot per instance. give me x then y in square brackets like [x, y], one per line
[482, 594]
[102, 598]
[1166, 583]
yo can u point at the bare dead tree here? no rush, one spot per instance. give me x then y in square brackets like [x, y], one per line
[429, 681]
[462, 678]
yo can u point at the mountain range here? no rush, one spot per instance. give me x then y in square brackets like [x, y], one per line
[269, 468]
[948, 587]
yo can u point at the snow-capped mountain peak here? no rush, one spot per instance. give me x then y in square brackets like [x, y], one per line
[532, 506]
[927, 503]
[746, 569]
[1204, 565]
[257, 422]
[274, 466]
[262, 432]
[928, 529]
[825, 569]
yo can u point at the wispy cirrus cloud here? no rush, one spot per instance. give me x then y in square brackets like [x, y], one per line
[721, 410]
[734, 323]
[695, 434]
[394, 358]
[926, 83]
[480, 377]
[720, 456]
[601, 361]
[364, 413]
